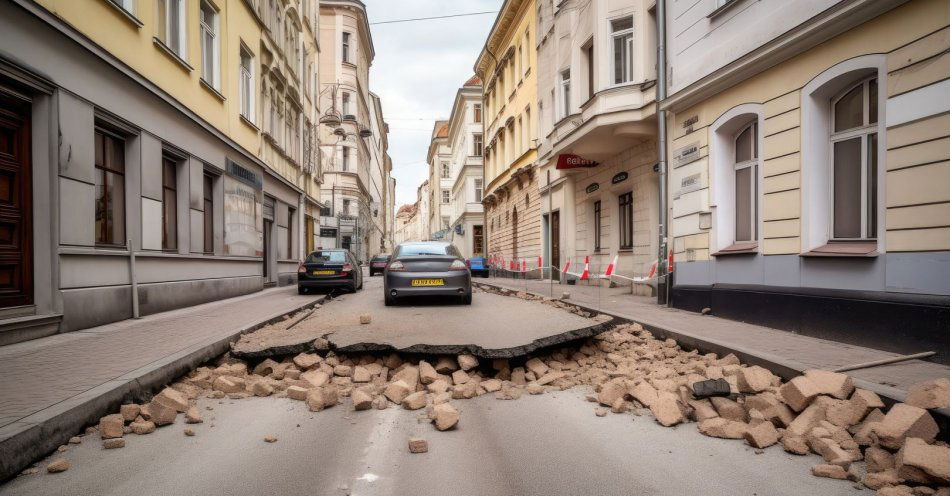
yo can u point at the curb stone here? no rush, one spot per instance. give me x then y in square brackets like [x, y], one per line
[33, 437]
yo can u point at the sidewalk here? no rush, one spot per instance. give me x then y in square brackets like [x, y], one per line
[791, 352]
[54, 386]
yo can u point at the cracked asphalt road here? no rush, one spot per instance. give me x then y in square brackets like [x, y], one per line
[494, 325]
[548, 445]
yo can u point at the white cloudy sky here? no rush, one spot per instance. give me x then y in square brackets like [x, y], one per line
[418, 68]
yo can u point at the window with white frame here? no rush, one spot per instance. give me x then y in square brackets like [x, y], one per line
[478, 112]
[126, 5]
[345, 105]
[246, 81]
[346, 47]
[854, 162]
[621, 35]
[479, 190]
[565, 92]
[446, 171]
[477, 146]
[445, 196]
[172, 26]
[446, 221]
[208, 22]
[527, 55]
[346, 159]
[745, 164]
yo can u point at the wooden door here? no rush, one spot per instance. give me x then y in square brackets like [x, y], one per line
[16, 226]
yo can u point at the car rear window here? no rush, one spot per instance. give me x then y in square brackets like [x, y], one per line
[327, 256]
[426, 249]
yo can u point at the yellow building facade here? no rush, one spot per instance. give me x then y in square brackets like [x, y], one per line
[507, 66]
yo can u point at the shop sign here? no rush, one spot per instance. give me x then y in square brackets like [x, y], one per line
[592, 187]
[569, 161]
[327, 232]
[619, 177]
[686, 154]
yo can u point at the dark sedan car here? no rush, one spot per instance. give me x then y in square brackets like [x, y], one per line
[377, 265]
[427, 269]
[329, 269]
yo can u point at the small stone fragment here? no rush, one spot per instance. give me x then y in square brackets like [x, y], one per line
[418, 445]
[414, 401]
[111, 426]
[397, 391]
[189, 432]
[58, 465]
[365, 318]
[142, 427]
[75, 440]
[193, 416]
[467, 362]
[129, 412]
[445, 415]
[270, 439]
[930, 394]
[799, 392]
[762, 435]
[903, 421]
[600, 412]
[113, 443]
[361, 400]
[830, 471]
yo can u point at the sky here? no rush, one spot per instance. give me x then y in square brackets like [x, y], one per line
[418, 68]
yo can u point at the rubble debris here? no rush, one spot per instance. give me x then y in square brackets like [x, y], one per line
[799, 392]
[903, 421]
[711, 387]
[58, 465]
[141, 426]
[113, 443]
[130, 411]
[467, 362]
[723, 428]
[415, 401]
[193, 416]
[930, 394]
[830, 471]
[917, 456]
[270, 439]
[75, 440]
[418, 445]
[834, 384]
[601, 412]
[189, 432]
[445, 416]
[762, 435]
[111, 426]
[446, 365]
[365, 318]
[361, 400]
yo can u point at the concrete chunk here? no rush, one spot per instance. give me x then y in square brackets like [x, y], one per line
[862, 402]
[172, 398]
[414, 401]
[799, 392]
[427, 373]
[934, 460]
[361, 400]
[834, 384]
[930, 394]
[467, 362]
[729, 409]
[644, 393]
[794, 444]
[111, 426]
[142, 427]
[901, 422]
[754, 379]
[830, 471]
[307, 361]
[446, 365]
[397, 391]
[417, 445]
[807, 420]
[762, 435]
[667, 409]
[297, 393]
[130, 412]
[445, 416]
[723, 428]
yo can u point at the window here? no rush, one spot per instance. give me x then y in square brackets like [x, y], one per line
[345, 106]
[346, 207]
[479, 191]
[477, 146]
[622, 43]
[126, 5]
[527, 43]
[519, 136]
[110, 188]
[626, 221]
[346, 47]
[445, 196]
[246, 78]
[446, 171]
[520, 59]
[290, 233]
[478, 240]
[854, 162]
[746, 161]
[208, 213]
[527, 127]
[478, 112]
[169, 203]
[565, 93]
[171, 26]
[208, 21]
[597, 224]
[445, 222]
[590, 70]
[346, 159]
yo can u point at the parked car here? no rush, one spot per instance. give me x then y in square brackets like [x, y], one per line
[378, 264]
[329, 269]
[478, 266]
[427, 269]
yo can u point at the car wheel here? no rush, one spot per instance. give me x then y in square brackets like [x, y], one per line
[467, 299]
[302, 290]
[389, 301]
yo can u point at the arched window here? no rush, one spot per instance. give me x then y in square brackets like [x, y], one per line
[854, 162]
[746, 165]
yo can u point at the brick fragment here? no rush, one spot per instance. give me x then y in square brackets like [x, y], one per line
[467, 362]
[798, 393]
[794, 444]
[830, 471]
[878, 480]
[878, 459]
[297, 393]
[445, 416]
[415, 400]
[667, 409]
[361, 400]
[322, 397]
[930, 394]
[903, 421]
[418, 445]
[762, 435]
[113, 443]
[723, 428]
[933, 460]
[644, 393]
[702, 410]
[807, 420]
[862, 402]
[228, 384]
[130, 412]
[111, 426]
[315, 378]
[834, 384]
[754, 379]
[729, 409]
[397, 391]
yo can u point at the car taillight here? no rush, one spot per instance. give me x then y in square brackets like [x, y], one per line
[458, 265]
[468, 263]
[397, 266]
[301, 269]
[346, 268]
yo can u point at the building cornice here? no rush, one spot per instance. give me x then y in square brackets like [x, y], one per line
[360, 7]
[826, 25]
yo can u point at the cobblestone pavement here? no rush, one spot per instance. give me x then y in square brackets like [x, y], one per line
[809, 351]
[40, 373]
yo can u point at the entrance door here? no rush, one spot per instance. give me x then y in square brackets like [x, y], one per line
[308, 232]
[478, 241]
[267, 250]
[556, 244]
[16, 228]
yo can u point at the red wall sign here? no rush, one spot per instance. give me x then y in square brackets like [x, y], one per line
[568, 161]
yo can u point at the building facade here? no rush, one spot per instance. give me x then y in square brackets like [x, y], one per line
[345, 139]
[507, 68]
[466, 152]
[378, 238]
[809, 166]
[597, 121]
[440, 182]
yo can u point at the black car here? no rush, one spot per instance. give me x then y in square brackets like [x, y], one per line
[329, 269]
[377, 265]
[427, 269]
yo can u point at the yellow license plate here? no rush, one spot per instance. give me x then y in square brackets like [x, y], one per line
[428, 282]
[324, 272]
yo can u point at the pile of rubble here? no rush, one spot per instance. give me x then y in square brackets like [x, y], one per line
[629, 369]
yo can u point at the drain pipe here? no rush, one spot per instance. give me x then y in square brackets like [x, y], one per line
[663, 279]
[133, 280]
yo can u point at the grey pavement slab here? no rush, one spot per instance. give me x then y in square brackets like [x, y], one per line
[493, 326]
[547, 445]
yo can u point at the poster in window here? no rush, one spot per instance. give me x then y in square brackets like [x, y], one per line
[243, 219]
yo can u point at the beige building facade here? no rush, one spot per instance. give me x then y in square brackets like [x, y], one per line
[809, 166]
